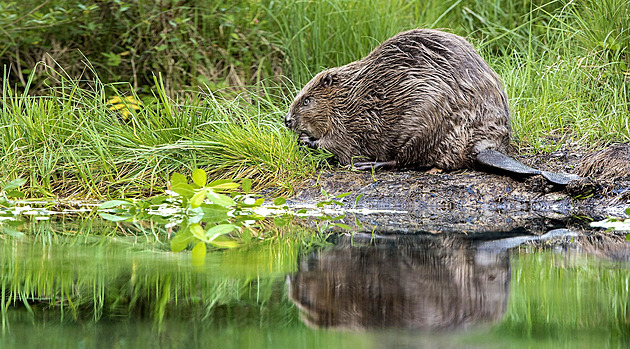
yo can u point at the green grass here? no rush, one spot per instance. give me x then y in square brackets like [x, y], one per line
[70, 143]
[228, 70]
[95, 270]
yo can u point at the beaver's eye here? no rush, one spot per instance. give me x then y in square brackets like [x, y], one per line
[306, 102]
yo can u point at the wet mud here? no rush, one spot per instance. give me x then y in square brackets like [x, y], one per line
[471, 201]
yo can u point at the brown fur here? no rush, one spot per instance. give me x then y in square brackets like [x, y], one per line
[423, 98]
[611, 162]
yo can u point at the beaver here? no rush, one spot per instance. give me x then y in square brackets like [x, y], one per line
[422, 99]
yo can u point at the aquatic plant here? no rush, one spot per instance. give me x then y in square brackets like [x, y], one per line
[219, 214]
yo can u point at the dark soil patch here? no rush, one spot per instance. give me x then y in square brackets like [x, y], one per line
[470, 201]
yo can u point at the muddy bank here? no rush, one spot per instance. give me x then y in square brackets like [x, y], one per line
[472, 201]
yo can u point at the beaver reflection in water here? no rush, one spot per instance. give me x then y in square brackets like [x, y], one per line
[420, 282]
[422, 99]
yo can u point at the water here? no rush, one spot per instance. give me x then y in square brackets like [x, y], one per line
[92, 286]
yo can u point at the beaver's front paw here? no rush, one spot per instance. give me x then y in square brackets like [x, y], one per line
[308, 141]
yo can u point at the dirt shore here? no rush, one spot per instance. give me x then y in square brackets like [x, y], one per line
[471, 201]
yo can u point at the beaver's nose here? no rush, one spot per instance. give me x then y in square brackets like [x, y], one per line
[289, 121]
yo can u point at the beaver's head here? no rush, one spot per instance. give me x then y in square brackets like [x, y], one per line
[311, 113]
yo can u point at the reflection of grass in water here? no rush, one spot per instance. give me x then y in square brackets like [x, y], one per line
[554, 296]
[70, 280]
[85, 277]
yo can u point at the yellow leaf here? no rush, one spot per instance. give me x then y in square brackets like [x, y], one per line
[225, 244]
[114, 100]
[116, 107]
[132, 100]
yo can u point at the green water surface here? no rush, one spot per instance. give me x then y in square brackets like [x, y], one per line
[72, 290]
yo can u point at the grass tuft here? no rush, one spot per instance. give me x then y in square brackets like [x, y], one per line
[72, 143]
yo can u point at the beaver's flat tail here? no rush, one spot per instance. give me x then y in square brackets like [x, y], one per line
[494, 159]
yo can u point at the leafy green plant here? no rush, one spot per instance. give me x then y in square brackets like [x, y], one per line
[332, 220]
[215, 214]
[219, 214]
[71, 142]
[8, 220]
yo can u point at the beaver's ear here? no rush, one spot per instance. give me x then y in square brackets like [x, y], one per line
[329, 79]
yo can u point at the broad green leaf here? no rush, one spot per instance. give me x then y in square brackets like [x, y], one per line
[198, 198]
[11, 232]
[178, 245]
[15, 194]
[224, 186]
[158, 200]
[220, 199]
[259, 202]
[340, 196]
[178, 178]
[14, 184]
[114, 218]
[181, 239]
[183, 189]
[114, 203]
[214, 213]
[219, 230]
[628, 211]
[197, 231]
[199, 177]
[343, 226]
[247, 185]
[219, 182]
[279, 201]
[280, 221]
[199, 254]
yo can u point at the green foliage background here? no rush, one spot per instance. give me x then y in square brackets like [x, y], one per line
[240, 42]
